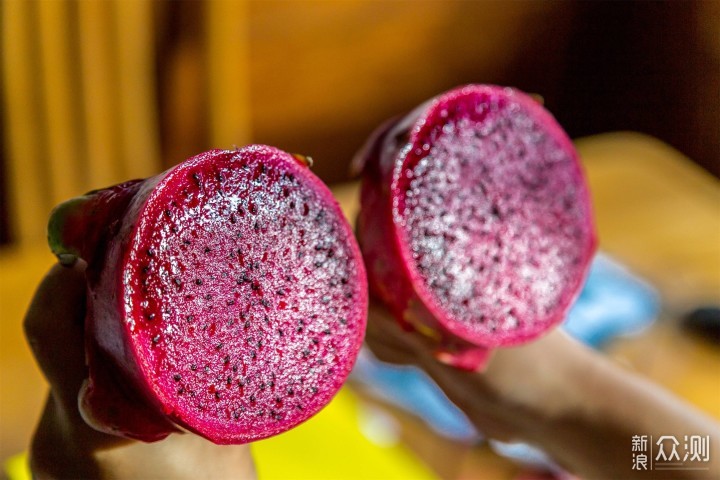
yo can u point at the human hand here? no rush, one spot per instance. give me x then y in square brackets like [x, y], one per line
[64, 446]
[557, 394]
[519, 388]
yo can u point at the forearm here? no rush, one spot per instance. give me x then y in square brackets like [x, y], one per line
[593, 435]
[576, 405]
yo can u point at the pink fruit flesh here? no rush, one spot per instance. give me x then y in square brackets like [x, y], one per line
[231, 302]
[488, 214]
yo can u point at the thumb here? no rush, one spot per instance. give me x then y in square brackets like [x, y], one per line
[54, 328]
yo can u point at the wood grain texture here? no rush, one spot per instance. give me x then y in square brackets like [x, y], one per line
[228, 73]
[139, 130]
[61, 95]
[29, 189]
[101, 103]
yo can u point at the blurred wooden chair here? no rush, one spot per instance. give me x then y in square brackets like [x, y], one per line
[81, 97]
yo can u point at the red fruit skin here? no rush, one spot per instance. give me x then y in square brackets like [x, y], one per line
[390, 274]
[114, 398]
[119, 397]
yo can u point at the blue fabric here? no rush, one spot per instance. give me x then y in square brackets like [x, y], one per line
[612, 303]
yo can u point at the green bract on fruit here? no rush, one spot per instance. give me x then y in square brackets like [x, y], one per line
[476, 225]
[226, 296]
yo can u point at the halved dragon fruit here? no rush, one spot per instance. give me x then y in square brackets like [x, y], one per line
[226, 296]
[476, 224]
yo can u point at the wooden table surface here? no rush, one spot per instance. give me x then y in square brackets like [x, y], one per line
[657, 213]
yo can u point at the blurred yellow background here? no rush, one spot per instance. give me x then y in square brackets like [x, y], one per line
[97, 92]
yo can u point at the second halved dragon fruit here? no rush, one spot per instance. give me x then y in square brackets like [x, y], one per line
[476, 224]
